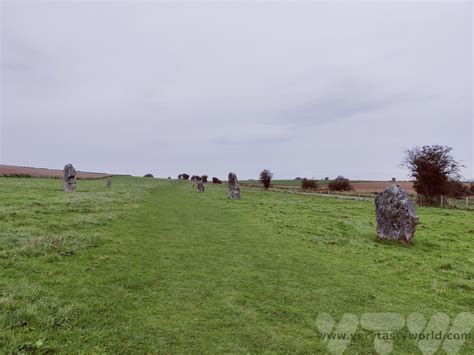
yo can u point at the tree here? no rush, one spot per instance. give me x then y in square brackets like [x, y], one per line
[266, 178]
[183, 176]
[340, 184]
[148, 175]
[216, 180]
[204, 178]
[433, 169]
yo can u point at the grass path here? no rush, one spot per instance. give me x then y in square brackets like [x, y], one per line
[190, 272]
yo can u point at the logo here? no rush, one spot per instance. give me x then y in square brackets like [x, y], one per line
[440, 331]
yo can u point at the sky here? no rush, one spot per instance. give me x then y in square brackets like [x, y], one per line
[309, 89]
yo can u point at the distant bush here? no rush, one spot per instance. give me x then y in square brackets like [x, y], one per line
[183, 176]
[394, 179]
[149, 175]
[472, 188]
[297, 178]
[169, 177]
[204, 178]
[340, 184]
[266, 178]
[308, 184]
[195, 178]
[216, 180]
[457, 189]
[326, 178]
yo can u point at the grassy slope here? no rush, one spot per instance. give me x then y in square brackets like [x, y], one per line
[183, 271]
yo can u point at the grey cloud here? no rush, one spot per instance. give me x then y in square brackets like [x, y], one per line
[344, 100]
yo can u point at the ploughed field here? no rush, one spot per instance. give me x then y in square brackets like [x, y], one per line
[154, 266]
[23, 171]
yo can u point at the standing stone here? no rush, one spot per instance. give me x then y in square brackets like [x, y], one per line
[200, 186]
[109, 182]
[234, 189]
[69, 178]
[396, 216]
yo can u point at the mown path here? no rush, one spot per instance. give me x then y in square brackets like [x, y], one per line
[187, 272]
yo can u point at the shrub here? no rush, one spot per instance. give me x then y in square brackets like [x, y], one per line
[216, 180]
[340, 184]
[266, 178]
[297, 178]
[183, 176]
[308, 184]
[326, 178]
[195, 178]
[472, 188]
[457, 189]
[434, 170]
[148, 175]
[204, 178]
[394, 179]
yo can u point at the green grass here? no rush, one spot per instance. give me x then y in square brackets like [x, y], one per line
[155, 266]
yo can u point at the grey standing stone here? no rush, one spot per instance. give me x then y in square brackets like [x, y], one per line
[69, 178]
[396, 216]
[109, 182]
[234, 189]
[200, 186]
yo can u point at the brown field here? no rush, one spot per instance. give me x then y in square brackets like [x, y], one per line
[361, 187]
[378, 186]
[10, 170]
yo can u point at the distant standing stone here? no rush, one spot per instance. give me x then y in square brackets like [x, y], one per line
[234, 189]
[200, 186]
[109, 182]
[69, 178]
[396, 216]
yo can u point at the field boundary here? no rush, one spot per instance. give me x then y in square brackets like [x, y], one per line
[465, 203]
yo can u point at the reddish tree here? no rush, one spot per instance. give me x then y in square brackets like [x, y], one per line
[266, 178]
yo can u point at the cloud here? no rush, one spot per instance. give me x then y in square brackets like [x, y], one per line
[149, 86]
[345, 100]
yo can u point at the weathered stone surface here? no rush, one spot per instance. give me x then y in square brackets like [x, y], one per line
[69, 178]
[200, 186]
[396, 216]
[234, 189]
[109, 182]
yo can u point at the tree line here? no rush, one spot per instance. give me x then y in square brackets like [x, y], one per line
[434, 170]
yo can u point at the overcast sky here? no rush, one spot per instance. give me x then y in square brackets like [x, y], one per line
[309, 89]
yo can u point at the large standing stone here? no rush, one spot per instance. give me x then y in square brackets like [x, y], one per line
[396, 216]
[200, 186]
[109, 182]
[234, 189]
[69, 178]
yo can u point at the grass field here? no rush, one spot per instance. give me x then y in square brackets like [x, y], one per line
[154, 266]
